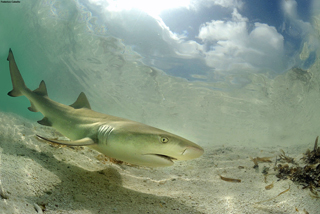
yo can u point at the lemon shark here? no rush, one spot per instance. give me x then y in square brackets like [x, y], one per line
[118, 138]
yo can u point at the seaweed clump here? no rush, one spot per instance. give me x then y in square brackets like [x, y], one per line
[306, 174]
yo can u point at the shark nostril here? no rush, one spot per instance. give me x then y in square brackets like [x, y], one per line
[192, 152]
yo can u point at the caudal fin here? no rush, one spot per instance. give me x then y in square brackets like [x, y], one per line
[16, 78]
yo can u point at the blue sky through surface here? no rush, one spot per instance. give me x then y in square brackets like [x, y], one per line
[209, 40]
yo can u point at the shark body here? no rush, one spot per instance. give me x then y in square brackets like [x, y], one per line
[119, 138]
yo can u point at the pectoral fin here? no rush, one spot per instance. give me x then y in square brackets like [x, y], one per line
[82, 142]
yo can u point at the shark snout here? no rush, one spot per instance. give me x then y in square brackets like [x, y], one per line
[191, 152]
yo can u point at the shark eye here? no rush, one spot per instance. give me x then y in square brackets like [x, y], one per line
[164, 139]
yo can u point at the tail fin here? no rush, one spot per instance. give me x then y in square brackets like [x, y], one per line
[16, 78]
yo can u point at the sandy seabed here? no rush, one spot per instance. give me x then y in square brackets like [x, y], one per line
[37, 177]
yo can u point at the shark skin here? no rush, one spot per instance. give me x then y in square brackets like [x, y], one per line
[118, 138]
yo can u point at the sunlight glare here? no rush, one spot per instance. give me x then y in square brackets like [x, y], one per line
[153, 8]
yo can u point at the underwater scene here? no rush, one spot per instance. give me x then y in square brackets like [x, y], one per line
[187, 106]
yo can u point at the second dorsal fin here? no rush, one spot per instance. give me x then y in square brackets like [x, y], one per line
[81, 102]
[42, 90]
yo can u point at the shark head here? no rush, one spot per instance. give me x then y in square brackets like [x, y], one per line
[143, 145]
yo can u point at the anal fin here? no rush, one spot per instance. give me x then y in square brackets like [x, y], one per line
[32, 108]
[81, 142]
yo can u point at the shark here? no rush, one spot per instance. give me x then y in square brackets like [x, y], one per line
[122, 139]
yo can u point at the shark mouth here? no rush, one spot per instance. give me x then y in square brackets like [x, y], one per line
[164, 157]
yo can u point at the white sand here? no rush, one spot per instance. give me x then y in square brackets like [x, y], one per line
[69, 180]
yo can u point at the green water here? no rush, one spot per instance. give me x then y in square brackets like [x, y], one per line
[38, 41]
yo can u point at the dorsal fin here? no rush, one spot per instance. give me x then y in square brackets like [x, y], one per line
[81, 102]
[42, 90]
